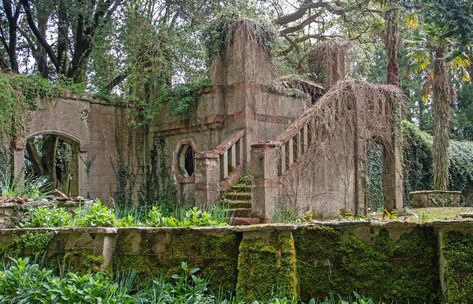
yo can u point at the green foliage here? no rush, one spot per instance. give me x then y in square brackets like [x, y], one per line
[34, 188]
[23, 282]
[19, 93]
[47, 217]
[33, 243]
[95, 215]
[183, 97]
[417, 157]
[192, 217]
[457, 249]
[98, 215]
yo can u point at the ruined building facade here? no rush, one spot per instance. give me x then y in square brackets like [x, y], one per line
[302, 144]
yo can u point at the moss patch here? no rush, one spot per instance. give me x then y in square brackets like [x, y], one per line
[335, 261]
[267, 268]
[457, 249]
[161, 252]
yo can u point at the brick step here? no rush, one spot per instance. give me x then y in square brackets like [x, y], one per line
[245, 221]
[240, 212]
[239, 196]
[231, 204]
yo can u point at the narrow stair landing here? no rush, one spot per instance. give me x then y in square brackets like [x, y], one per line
[238, 201]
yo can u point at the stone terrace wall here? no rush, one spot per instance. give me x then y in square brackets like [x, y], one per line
[394, 262]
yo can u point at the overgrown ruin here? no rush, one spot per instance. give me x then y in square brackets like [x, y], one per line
[303, 144]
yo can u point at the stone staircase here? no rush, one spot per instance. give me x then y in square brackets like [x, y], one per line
[238, 202]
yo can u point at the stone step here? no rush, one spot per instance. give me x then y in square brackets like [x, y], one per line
[241, 196]
[240, 212]
[245, 221]
[240, 188]
[237, 204]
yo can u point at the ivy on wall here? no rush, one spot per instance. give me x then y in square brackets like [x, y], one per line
[417, 156]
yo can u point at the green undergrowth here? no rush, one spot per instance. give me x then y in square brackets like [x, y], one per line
[22, 281]
[335, 262]
[99, 215]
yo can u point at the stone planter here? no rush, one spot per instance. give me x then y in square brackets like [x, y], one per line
[435, 198]
[12, 213]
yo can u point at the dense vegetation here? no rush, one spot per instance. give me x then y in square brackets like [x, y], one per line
[98, 215]
[22, 281]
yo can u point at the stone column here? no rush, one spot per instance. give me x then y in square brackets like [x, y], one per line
[392, 178]
[264, 168]
[19, 160]
[207, 178]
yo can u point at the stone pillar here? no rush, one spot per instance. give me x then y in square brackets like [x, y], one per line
[327, 62]
[207, 178]
[392, 178]
[82, 173]
[264, 168]
[19, 160]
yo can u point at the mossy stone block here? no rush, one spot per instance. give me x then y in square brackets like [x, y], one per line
[267, 266]
[457, 250]
[390, 266]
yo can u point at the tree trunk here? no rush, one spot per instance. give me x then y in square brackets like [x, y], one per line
[42, 60]
[49, 157]
[34, 158]
[391, 42]
[442, 96]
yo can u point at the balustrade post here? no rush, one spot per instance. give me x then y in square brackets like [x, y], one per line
[264, 169]
[207, 178]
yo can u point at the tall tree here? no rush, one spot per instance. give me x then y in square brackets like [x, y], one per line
[438, 44]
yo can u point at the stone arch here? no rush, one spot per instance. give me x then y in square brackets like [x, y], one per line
[79, 157]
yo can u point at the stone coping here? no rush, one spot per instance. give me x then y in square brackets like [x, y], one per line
[259, 227]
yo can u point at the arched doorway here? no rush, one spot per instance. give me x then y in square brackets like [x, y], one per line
[55, 157]
[59, 156]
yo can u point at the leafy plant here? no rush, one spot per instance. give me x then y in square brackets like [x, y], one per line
[23, 282]
[47, 217]
[34, 188]
[94, 215]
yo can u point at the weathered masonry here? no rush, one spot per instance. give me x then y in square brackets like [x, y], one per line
[417, 263]
[303, 144]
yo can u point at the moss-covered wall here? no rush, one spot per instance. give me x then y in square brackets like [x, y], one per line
[457, 257]
[154, 252]
[393, 262]
[267, 262]
[385, 264]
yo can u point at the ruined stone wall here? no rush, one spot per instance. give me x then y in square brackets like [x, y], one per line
[101, 131]
[392, 262]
